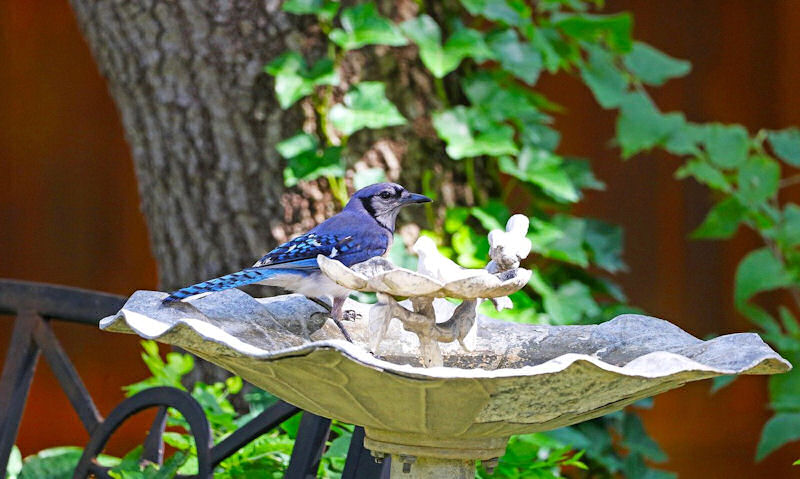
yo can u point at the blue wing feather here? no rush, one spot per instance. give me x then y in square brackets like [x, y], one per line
[305, 247]
[298, 256]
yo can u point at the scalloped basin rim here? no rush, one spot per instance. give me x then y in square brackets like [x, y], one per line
[677, 363]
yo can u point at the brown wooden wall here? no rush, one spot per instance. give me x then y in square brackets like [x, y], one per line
[69, 214]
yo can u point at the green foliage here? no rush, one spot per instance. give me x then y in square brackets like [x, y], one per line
[780, 429]
[294, 79]
[307, 160]
[14, 463]
[652, 66]
[440, 58]
[363, 25]
[726, 145]
[164, 373]
[517, 463]
[365, 106]
[517, 57]
[613, 30]
[132, 467]
[468, 135]
[786, 145]
[56, 463]
[324, 9]
[607, 81]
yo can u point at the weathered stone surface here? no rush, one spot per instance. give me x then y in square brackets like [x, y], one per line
[519, 378]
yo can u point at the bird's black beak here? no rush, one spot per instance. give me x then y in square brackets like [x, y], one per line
[415, 198]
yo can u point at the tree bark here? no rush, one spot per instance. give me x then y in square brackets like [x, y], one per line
[200, 118]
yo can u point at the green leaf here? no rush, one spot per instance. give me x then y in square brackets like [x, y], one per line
[705, 173]
[314, 164]
[294, 80]
[367, 177]
[516, 57]
[167, 373]
[297, 144]
[759, 271]
[509, 12]
[789, 322]
[786, 144]
[580, 173]
[570, 303]
[53, 463]
[472, 248]
[636, 440]
[601, 75]
[458, 127]
[640, 126]
[365, 106]
[439, 59]
[542, 168]
[779, 430]
[556, 53]
[535, 134]
[307, 161]
[720, 382]
[496, 99]
[605, 243]
[789, 233]
[14, 463]
[562, 239]
[758, 180]
[363, 25]
[493, 215]
[339, 446]
[783, 388]
[652, 66]
[324, 9]
[466, 42]
[615, 29]
[234, 384]
[727, 146]
[685, 139]
[722, 221]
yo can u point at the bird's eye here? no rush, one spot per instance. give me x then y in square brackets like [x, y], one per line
[385, 195]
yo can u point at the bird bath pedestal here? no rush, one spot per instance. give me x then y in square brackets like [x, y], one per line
[488, 380]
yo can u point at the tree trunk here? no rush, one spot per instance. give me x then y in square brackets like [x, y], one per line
[202, 120]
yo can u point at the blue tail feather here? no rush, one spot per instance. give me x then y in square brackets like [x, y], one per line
[233, 280]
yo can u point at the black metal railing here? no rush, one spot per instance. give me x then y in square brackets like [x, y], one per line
[35, 305]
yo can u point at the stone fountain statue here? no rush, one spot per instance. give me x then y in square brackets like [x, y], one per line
[442, 386]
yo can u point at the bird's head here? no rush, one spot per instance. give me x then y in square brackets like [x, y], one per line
[383, 201]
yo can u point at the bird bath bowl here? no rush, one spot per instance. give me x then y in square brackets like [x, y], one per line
[519, 378]
[440, 393]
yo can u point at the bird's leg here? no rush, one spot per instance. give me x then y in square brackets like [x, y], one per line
[336, 315]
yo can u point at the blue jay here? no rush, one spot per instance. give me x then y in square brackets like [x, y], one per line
[364, 229]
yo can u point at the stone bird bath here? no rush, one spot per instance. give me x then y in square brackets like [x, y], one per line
[487, 380]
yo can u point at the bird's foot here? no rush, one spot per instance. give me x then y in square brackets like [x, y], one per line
[350, 315]
[336, 321]
[344, 331]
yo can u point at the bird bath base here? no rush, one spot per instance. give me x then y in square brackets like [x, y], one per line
[431, 467]
[423, 456]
